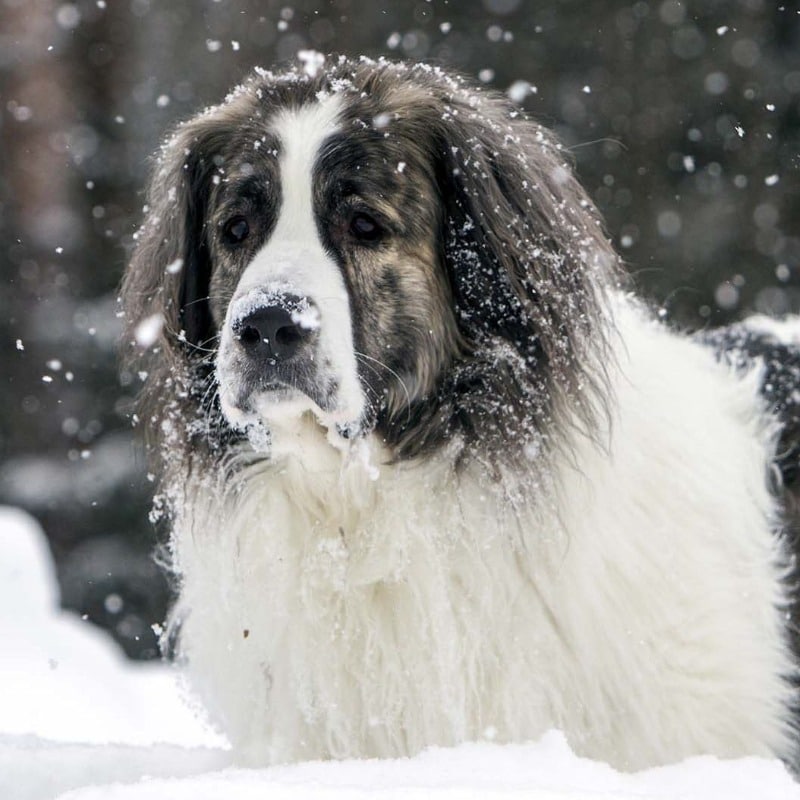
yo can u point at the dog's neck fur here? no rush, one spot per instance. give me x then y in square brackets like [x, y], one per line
[356, 594]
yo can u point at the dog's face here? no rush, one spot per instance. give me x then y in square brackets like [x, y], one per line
[380, 245]
[326, 285]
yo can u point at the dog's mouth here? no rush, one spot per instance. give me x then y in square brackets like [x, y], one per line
[274, 398]
[248, 395]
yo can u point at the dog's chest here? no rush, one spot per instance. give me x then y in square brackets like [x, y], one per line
[343, 605]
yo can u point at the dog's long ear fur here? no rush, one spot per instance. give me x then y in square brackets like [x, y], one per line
[523, 245]
[170, 269]
[166, 285]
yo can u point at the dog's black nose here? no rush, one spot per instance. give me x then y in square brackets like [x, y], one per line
[272, 332]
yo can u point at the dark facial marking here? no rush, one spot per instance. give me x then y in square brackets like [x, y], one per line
[243, 213]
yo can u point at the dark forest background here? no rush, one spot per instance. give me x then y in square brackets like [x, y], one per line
[683, 117]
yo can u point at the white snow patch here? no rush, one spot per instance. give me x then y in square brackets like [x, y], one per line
[273, 294]
[63, 679]
[306, 316]
[312, 62]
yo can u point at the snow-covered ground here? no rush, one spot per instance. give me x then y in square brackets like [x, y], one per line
[77, 721]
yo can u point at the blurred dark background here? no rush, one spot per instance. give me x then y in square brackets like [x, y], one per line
[683, 117]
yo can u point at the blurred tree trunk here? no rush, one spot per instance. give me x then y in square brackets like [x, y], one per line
[67, 203]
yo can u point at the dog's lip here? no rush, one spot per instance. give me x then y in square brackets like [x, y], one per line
[277, 393]
[274, 392]
[278, 387]
[279, 399]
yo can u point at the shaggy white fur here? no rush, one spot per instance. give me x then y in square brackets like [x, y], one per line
[340, 606]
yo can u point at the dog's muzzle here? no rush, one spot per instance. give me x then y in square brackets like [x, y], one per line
[271, 346]
[280, 357]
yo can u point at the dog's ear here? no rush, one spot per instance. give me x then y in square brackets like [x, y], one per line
[523, 246]
[167, 280]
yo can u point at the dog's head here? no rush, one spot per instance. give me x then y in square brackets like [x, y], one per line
[381, 245]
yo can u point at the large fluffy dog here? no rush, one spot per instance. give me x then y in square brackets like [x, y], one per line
[431, 475]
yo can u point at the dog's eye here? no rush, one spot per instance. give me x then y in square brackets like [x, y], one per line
[364, 228]
[235, 230]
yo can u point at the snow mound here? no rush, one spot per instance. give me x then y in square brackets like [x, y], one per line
[63, 679]
[546, 770]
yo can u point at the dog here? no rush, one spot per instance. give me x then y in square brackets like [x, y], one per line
[432, 473]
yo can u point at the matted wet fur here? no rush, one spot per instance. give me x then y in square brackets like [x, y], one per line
[431, 475]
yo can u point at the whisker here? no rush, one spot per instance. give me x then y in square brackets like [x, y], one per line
[212, 389]
[194, 345]
[210, 351]
[197, 300]
[603, 140]
[391, 372]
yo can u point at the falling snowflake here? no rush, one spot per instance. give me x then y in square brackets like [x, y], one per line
[147, 330]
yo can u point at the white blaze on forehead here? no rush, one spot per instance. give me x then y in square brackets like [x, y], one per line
[295, 260]
[295, 242]
[302, 132]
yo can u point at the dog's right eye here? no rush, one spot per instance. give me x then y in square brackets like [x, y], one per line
[364, 228]
[235, 230]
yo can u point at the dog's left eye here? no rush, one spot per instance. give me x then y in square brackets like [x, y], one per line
[235, 230]
[365, 228]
